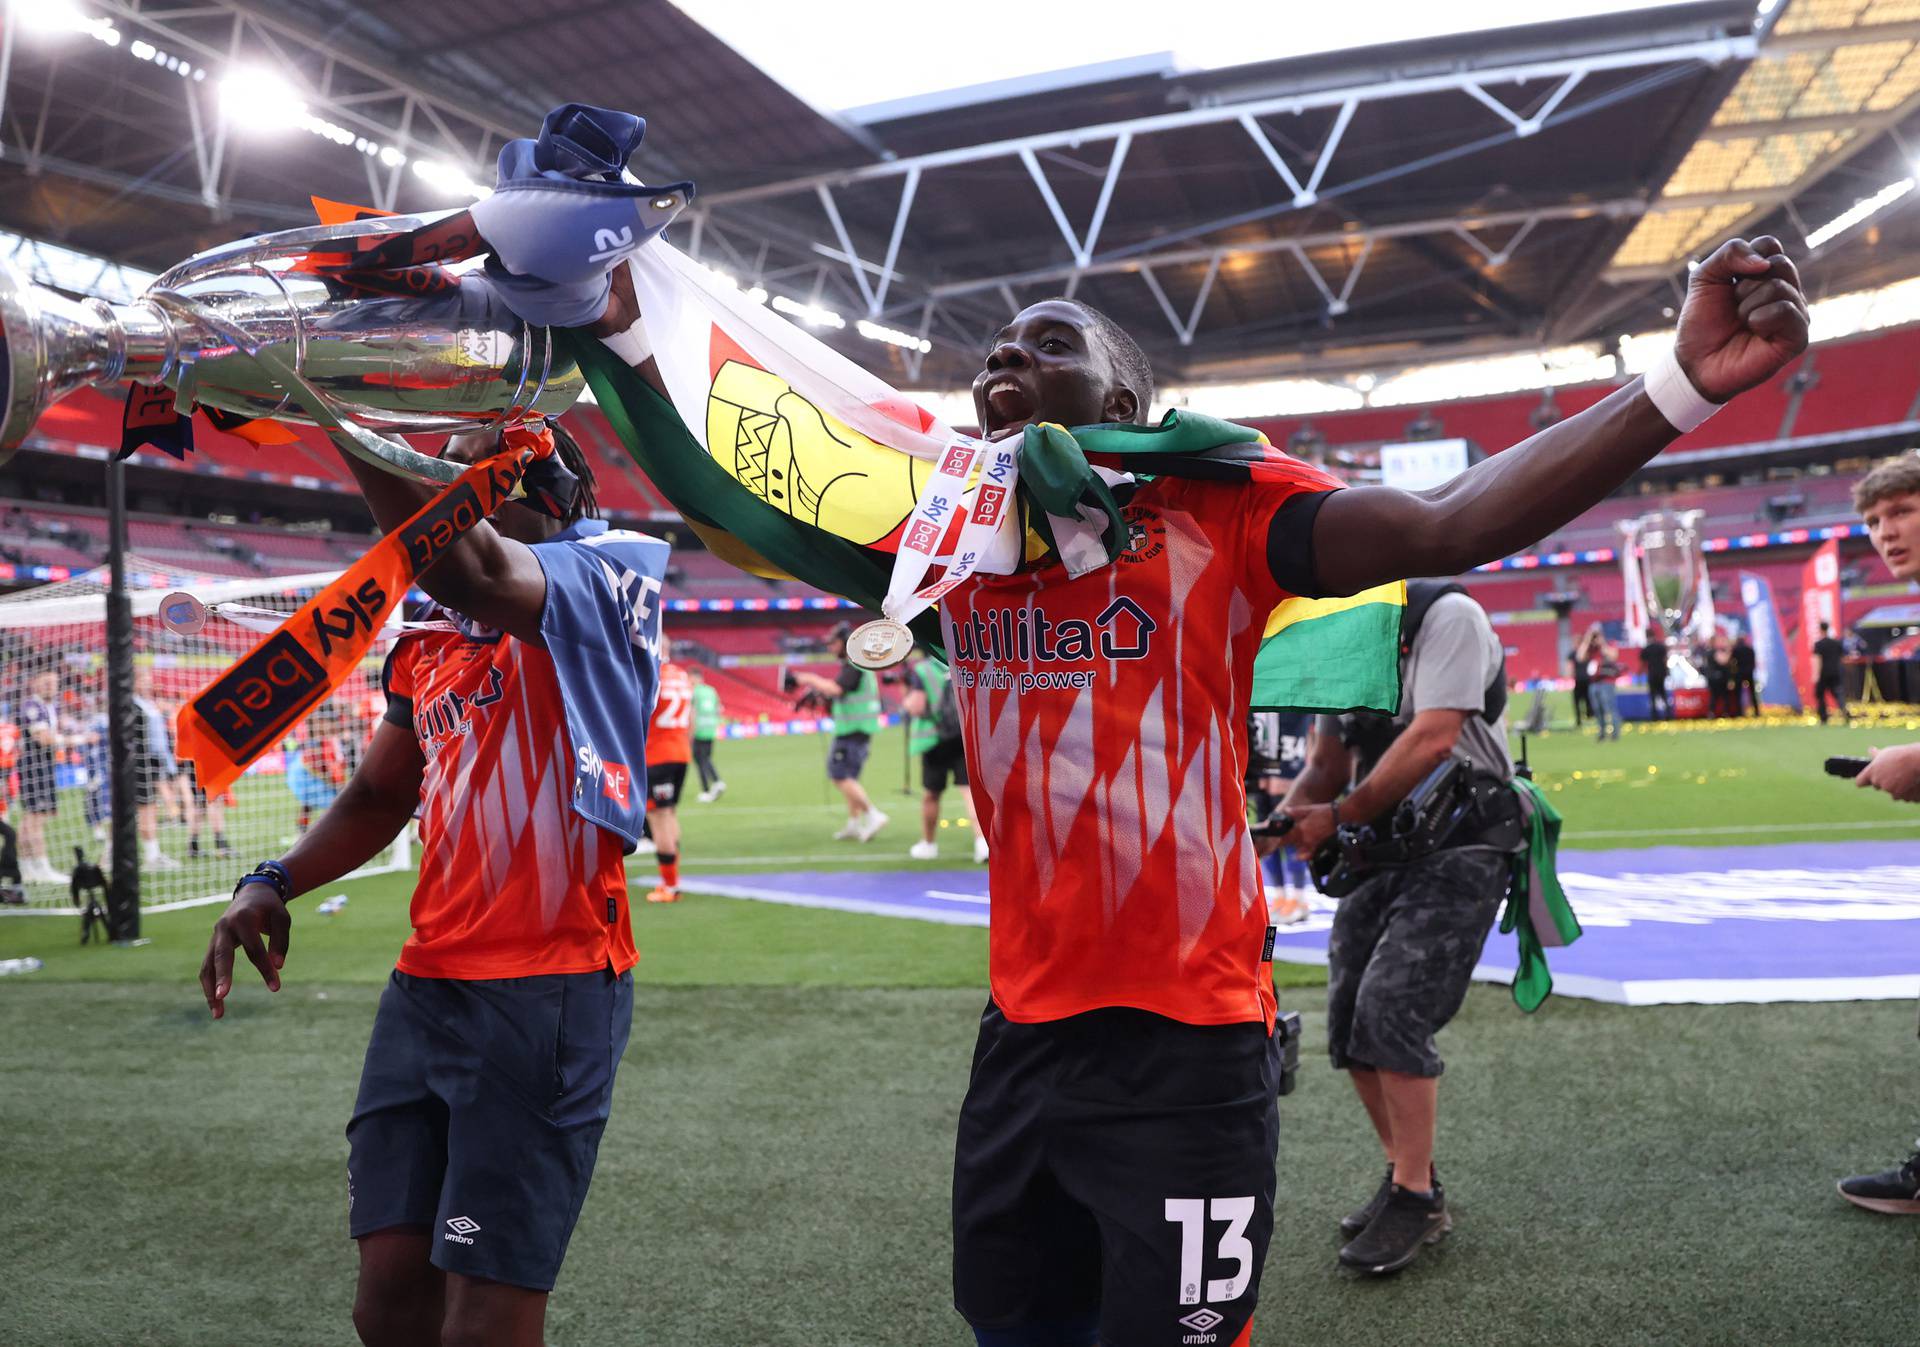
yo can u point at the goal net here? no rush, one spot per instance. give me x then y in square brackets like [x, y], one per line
[55, 765]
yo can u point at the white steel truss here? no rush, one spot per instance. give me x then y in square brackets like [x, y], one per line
[896, 287]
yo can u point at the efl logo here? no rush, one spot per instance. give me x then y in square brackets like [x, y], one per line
[954, 464]
[986, 510]
[616, 784]
[923, 536]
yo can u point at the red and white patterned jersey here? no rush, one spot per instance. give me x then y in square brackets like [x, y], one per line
[1105, 722]
[513, 881]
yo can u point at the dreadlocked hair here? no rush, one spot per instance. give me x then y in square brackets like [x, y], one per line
[585, 504]
[1129, 361]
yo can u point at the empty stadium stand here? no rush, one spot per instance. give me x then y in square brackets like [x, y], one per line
[1865, 387]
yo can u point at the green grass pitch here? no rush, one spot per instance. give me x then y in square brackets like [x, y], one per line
[777, 1167]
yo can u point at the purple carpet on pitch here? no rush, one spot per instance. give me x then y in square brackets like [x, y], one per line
[1805, 921]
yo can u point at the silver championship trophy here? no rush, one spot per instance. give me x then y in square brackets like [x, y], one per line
[251, 328]
[1667, 583]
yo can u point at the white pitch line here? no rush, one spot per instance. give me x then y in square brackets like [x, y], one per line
[837, 904]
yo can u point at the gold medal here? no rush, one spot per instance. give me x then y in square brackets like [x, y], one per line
[879, 643]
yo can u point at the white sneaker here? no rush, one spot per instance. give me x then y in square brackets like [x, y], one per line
[924, 851]
[645, 847]
[42, 872]
[159, 860]
[719, 789]
[979, 850]
[707, 796]
[851, 831]
[870, 823]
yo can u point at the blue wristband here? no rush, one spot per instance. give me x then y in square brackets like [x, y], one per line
[271, 873]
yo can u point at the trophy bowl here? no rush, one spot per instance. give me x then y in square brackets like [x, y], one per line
[253, 328]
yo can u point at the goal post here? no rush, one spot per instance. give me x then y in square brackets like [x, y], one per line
[57, 751]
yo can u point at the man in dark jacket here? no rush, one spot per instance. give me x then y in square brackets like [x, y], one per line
[1653, 660]
[1829, 674]
[1746, 692]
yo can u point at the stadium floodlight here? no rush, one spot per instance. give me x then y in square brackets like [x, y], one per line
[813, 315]
[62, 16]
[1859, 211]
[258, 99]
[892, 336]
[450, 178]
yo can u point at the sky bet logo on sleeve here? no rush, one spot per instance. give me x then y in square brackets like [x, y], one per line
[616, 780]
[617, 785]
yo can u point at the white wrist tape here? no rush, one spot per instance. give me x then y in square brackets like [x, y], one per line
[1674, 395]
[631, 346]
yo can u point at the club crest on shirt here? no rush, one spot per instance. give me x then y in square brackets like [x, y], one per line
[1146, 534]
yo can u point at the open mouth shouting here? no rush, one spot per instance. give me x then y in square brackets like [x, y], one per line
[1006, 405]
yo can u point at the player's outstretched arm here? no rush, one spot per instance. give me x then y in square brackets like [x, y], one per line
[371, 810]
[1743, 320]
[483, 576]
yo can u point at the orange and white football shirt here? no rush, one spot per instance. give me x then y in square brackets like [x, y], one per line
[670, 731]
[513, 881]
[1105, 720]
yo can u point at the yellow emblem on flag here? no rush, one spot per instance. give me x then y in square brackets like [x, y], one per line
[804, 463]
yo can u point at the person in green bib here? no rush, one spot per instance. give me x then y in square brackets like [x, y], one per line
[854, 697]
[708, 719]
[935, 738]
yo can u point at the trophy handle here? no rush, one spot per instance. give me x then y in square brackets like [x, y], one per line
[391, 455]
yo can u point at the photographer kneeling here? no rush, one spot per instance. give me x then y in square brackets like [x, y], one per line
[1407, 936]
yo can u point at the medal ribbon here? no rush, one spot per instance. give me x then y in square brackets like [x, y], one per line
[989, 539]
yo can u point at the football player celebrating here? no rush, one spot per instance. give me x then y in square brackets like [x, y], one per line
[1114, 1170]
[510, 727]
[669, 749]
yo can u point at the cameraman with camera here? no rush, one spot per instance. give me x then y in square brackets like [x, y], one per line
[852, 698]
[1407, 936]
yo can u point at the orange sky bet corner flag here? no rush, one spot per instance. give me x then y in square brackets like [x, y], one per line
[252, 706]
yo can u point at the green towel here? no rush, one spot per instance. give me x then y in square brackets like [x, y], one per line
[1538, 913]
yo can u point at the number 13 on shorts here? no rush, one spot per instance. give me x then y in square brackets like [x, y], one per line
[1191, 1213]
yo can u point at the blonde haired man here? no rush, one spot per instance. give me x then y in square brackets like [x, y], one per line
[1888, 499]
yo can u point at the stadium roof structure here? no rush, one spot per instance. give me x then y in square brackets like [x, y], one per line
[1495, 192]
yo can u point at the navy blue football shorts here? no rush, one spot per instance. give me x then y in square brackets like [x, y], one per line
[480, 1112]
[1115, 1168]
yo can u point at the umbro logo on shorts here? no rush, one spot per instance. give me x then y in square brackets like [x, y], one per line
[1202, 1322]
[462, 1229]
